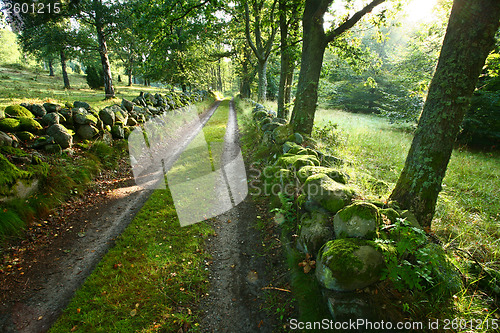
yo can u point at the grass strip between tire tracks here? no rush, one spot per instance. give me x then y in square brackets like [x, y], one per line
[153, 277]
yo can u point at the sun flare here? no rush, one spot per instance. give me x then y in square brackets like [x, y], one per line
[420, 10]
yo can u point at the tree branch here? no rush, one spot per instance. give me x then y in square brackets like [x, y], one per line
[352, 21]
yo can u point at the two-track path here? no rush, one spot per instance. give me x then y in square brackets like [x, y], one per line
[53, 270]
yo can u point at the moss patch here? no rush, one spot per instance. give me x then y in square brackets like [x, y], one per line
[364, 210]
[18, 111]
[29, 125]
[9, 175]
[9, 125]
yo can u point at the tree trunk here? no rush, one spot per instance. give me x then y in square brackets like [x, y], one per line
[130, 78]
[51, 67]
[313, 50]
[288, 88]
[468, 41]
[285, 61]
[262, 90]
[64, 70]
[103, 52]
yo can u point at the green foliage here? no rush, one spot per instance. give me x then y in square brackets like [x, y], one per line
[9, 52]
[95, 77]
[408, 264]
[330, 134]
[481, 125]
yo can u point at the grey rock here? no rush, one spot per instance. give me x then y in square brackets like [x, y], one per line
[79, 104]
[128, 105]
[5, 139]
[61, 135]
[87, 132]
[51, 119]
[315, 230]
[38, 110]
[51, 107]
[107, 116]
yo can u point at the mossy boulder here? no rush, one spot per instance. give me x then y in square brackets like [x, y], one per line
[410, 218]
[25, 136]
[107, 116]
[349, 264]
[9, 176]
[291, 148]
[282, 132]
[360, 220]
[295, 162]
[61, 135]
[390, 215]
[120, 115]
[30, 125]
[330, 194]
[297, 138]
[9, 125]
[18, 111]
[259, 115]
[307, 171]
[315, 230]
[117, 132]
[269, 126]
[264, 121]
[2, 114]
[83, 117]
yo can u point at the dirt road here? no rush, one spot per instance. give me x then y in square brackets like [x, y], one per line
[55, 265]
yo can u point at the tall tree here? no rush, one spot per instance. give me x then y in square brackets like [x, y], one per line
[48, 40]
[102, 16]
[315, 41]
[261, 47]
[469, 39]
[289, 19]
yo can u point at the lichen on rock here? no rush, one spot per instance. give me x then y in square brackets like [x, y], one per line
[348, 264]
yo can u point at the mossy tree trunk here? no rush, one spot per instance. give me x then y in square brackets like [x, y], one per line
[469, 39]
[314, 44]
[64, 70]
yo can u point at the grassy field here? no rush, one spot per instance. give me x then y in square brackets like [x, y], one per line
[467, 218]
[18, 85]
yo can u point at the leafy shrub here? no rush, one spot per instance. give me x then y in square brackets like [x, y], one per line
[481, 125]
[330, 134]
[95, 77]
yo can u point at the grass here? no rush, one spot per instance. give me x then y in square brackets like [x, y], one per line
[18, 84]
[150, 281]
[467, 218]
[155, 275]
